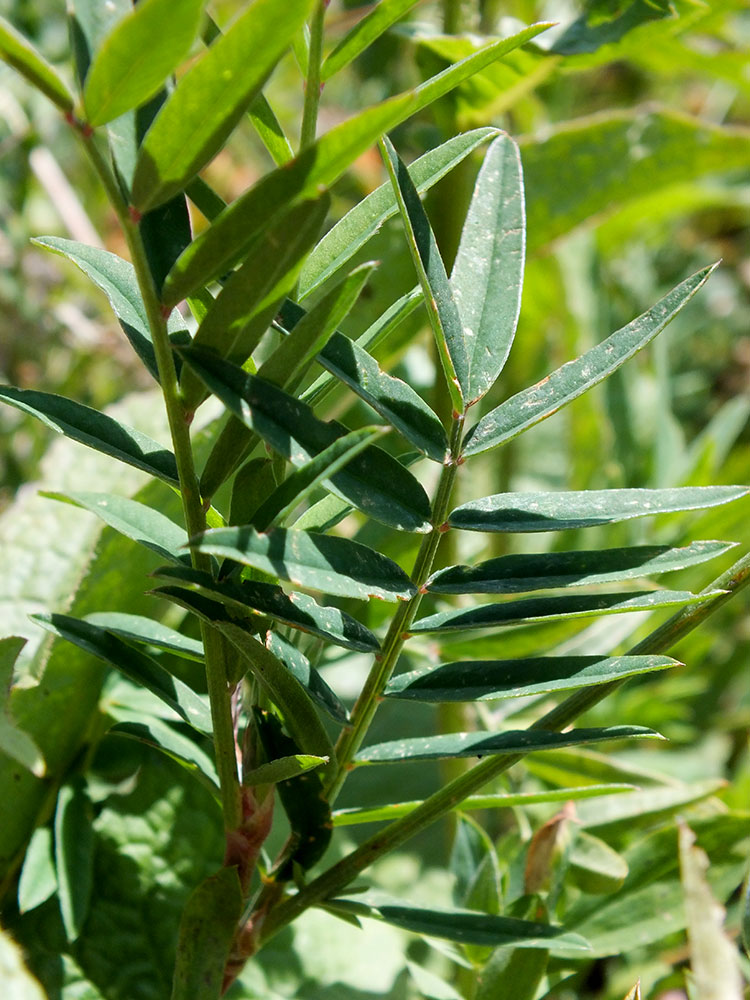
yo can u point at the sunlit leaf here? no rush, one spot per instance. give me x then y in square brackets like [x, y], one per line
[74, 855]
[364, 33]
[144, 630]
[585, 509]
[19, 53]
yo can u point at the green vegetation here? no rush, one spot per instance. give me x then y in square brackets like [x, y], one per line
[332, 667]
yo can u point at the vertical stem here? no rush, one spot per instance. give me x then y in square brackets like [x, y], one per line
[312, 83]
[490, 12]
[364, 710]
[452, 16]
[195, 521]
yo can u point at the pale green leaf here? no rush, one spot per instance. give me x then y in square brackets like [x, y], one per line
[364, 33]
[144, 630]
[19, 53]
[282, 769]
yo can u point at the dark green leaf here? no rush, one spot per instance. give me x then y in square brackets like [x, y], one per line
[524, 967]
[96, 430]
[588, 33]
[308, 676]
[561, 511]
[389, 396]
[116, 278]
[364, 33]
[302, 797]
[487, 277]
[364, 220]
[138, 55]
[300, 717]
[248, 301]
[211, 97]
[209, 923]
[138, 628]
[300, 483]
[468, 926]
[482, 744]
[539, 401]
[233, 231]
[74, 847]
[321, 562]
[263, 599]
[134, 520]
[19, 53]
[544, 570]
[537, 609]
[484, 680]
[439, 299]
[135, 665]
[161, 736]
[374, 482]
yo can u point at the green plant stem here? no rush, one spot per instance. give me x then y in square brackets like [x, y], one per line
[195, 520]
[490, 12]
[364, 710]
[447, 798]
[313, 82]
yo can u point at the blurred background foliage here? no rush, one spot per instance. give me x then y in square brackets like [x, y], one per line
[634, 124]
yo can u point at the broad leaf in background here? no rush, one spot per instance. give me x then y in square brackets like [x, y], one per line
[487, 277]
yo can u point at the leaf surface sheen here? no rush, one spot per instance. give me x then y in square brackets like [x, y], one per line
[323, 562]
[138, 55]
[96, 430]
[541, 609]
[487, 277]
[167, 740]
[480, 744]
[144, 630]
[135, 665]
[583, 509]
[486, 680]
[565, 384]
[310, 679]
[297, 610]
[209, 100]
[390, 397]
[545, 570]
[373, 481]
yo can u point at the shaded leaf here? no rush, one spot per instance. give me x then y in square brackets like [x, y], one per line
[565, 384]
[161, 736]
[587, 34]
[374, 482]
[74, 847]
[482, 744]
[468, 926]
[363, 34]
[540, 571]
[438, 294]
[645, 807]
[484, 680]
[585, 509]
[19, 53]
[299, 484]
[360, 223]
[211, 97]
[537, 609]
[207, 929]
[487, 277]
[135, 665]
[15, 742]
[321, 562]
[96, 430]
[523, 967]
[297, 610]
[389, 396]
[310, 679]
[134, 520]
[116, 278]
[138, 628]
[138, 55]
[594, 866]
